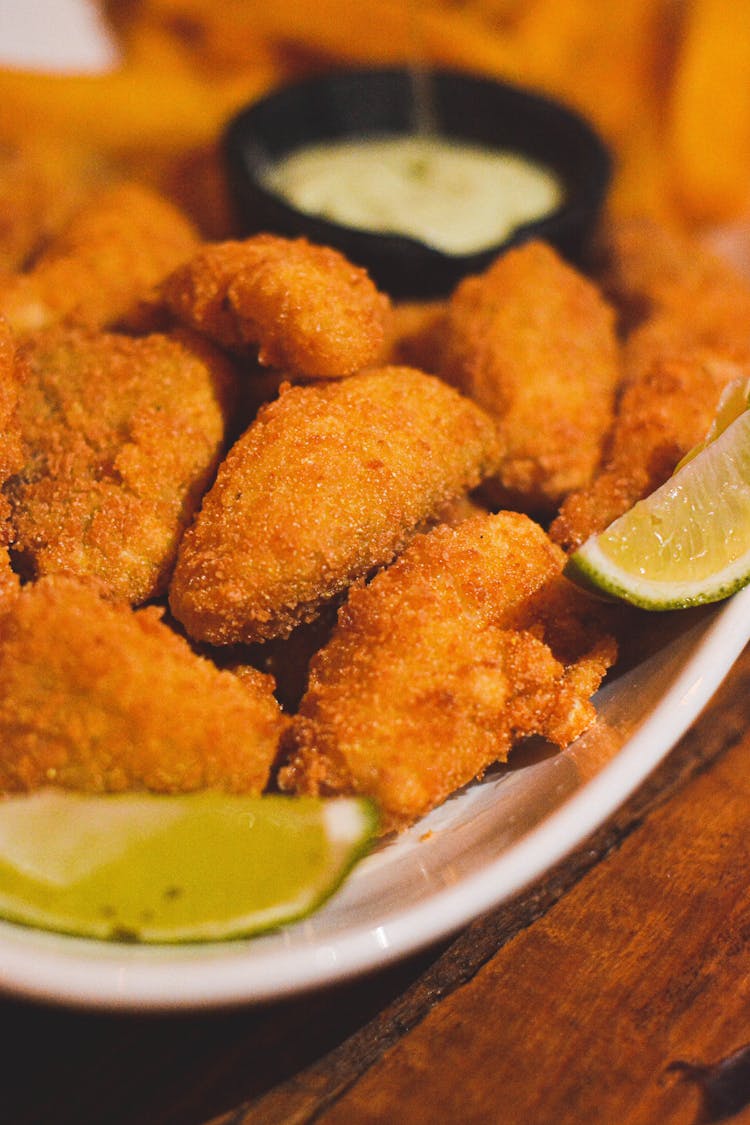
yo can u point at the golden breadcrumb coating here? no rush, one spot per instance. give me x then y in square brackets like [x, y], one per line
[650, 271]
[691, 314]
[330, 481]
[664, 411]
[533, 342]
[441, 664]
[11, 453]
[43, 182]
[415, 335]
[303, 308]
[121, 439]
[94, 696]
[108, 259]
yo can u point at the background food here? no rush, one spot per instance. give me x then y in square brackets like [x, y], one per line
[665, 82]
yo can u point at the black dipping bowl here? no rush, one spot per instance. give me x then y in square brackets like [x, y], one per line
[363, 103]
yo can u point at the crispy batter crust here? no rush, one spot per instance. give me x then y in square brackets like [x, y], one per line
[97, 697]
[329, 482]
[439, 665]
[304, 308]
[688, 316]
[533, 342]
[106, 261]
[121, 438]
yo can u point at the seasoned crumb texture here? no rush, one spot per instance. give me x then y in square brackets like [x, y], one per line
[303, 308]
[442, 663]
[105, 262]
[329, 482]
[121, 437]
[533, 342]
[98, 697]
[687, 320]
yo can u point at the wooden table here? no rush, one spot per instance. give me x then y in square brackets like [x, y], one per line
[601, 997]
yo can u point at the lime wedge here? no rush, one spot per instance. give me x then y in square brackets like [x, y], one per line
[196, 867]
[688, 543]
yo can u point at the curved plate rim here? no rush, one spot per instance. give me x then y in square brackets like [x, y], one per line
[79, 973]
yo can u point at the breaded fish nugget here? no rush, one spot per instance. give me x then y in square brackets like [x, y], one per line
[533, 342]
[107, 260]
[11, 453]
[304, 308]
[121, 438]
[650, 271]
[666, 408]
[691, 313]
[94, 696]
[42, 184]
[330, 481]
[438, 667]
[415, 334]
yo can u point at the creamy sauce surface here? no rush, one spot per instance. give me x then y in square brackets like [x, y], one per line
[455, 197]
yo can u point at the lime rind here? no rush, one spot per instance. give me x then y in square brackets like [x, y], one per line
[276, 860]
[733, 401]
[590, 568]
[688, 543]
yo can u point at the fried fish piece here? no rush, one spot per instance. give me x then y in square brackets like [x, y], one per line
[108, 259]
[11, 452]
[689, 318]
[303, 308]
[664, 411]
[329, 482]
[43, 182]
[651, 272]
[97, 697]
[121, 438]
[415, 334]
[533, 342]
[441, 664]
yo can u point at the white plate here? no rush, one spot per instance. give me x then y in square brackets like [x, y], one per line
[482, 846]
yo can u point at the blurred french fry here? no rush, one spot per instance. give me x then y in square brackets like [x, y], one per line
[665, 82]
[709, 111]
[153, 100]
[376, 31]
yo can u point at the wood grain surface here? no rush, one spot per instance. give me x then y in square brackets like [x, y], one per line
[603, 995]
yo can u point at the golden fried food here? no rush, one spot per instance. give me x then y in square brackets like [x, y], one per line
[302, 308]
[663, 413]
[107, 260]
[438, 667]
[415, 334]
[97, 697]
[11, 453]
[691, 314]
[532, 341]
[42, 184]
[121, 438]
[329, 482]
[653, 273]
